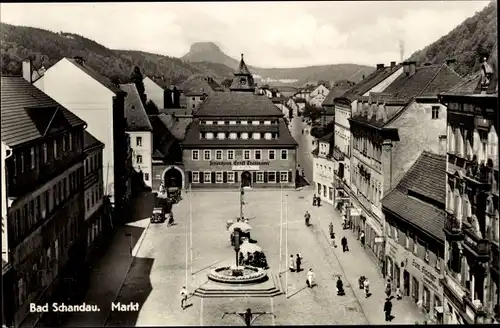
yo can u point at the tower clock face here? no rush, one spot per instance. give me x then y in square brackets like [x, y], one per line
[243, 81]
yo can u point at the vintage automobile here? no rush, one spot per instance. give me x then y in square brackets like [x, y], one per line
[161, 209]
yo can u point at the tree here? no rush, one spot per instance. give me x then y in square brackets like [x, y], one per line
[311, 112]
[227, 82]
[325, 83]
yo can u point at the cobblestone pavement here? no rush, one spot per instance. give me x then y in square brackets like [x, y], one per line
[304, 157]
[109, 271]
[159, 271]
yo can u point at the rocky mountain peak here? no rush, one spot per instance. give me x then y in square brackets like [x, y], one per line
[204, 47]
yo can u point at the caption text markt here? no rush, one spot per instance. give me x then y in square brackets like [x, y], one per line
[61, 307]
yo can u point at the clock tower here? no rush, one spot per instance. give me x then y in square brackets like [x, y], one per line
[243, 79]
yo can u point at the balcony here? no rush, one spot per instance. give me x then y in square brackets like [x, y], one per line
[478, 248]
[452, 227]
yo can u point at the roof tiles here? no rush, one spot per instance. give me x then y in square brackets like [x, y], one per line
[135, 113]
[234, 104]
[369, 82]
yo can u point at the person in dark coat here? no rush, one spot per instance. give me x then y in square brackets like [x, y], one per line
[340, 287]
[318, 201]
[388, 310]
[298, 262]
[314, 200]
[345, 248]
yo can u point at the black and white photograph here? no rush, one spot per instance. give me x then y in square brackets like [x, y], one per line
[242, 163]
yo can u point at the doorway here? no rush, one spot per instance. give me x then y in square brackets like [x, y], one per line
[406, 283]
[246, 179]
[173, 178]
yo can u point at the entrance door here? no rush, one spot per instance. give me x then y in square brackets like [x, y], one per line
[406, 283]
[246, 179]
[173, 178]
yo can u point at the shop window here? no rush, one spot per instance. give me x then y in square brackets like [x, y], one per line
[271, 177]
[415, 287]
[283, 176]
[330, 193]
[437, 306]
[319, 189]
[196, 177]
[426, 301]
[230, 177]
[260, 177]
[218, 177]
[324, 191]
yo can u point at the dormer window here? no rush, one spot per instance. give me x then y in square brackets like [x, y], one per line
[209, 135]
[209, 122]
[267, 122]
[256, 136]
[221, 136]
[221, 122]
[244, 122]
[255, 122]
[233, 136]
[244, 135]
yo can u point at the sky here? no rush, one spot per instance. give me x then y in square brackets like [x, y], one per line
[270, 34]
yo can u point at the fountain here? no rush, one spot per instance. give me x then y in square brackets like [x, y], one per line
[237, 274]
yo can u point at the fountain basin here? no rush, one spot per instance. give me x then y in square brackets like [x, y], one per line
[237, 275]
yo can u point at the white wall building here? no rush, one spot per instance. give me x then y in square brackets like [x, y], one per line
[6, 153]
[154, 92]
[323, 169]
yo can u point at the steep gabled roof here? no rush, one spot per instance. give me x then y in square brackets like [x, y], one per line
[242, 68]
[96, 76]
[335, 92]
[89, 141]
[237, 104]
[369, 82]
[29, 114]
[199, 84]
[135, 113]
[420, 196]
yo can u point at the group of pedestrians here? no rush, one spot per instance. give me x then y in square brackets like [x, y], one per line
[316, 200]
[343, 241]
[295, 263]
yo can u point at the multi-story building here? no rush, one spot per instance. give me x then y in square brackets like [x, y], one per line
[94, 98]
[239, 137]
[7, 310]
[388, 132]
[328, 105]
[96, 218]
[414, 214]
[140, 132]
[323, 168]
[471, 280]
[45, 225]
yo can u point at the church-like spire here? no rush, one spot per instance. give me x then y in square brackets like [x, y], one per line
[243, 79]
[243, 69]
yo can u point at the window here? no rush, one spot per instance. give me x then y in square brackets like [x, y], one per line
[244, 135]
[221, 136]
[271, 177]
[207, 177]
[146, 176]
[230, 177]
[139, 159]
[55, 148]
[246, 154]
[193, 106]
[195, 155]
[407, 241]
[438, 263]
[70, 141]
[206, 155]
[255, 122]
[426, 302]
[196, 177]
[244, 122]
[426, 257]
[284, 154]
[271, 154]
[22, 162]
[283, 176]
[20, 291]
[267, 122]
[268, 136]
[138, 141]
[256, 135]
[221, 122]
[218, 154]
[32, 157]
[64, 143]
[260, 177]
[232, 122]
[230, 154]
[209, 135]
[435, 112]
[257, 154]
[208, 122]
[233, 136]
[396, 234]
[415, 245]
[218, 177]
[193, 98]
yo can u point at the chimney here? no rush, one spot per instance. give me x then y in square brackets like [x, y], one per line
[167, 98]
[406, 68]
[380, 67]
[27, 70]
[393, 64]
[442, 144]
[413, 67]
[450, 61]
[79, 60]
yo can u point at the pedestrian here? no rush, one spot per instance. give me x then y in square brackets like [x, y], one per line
[388, 287]
[292, 264]
[362, 238]
[334, 244]
[241, 259]
[398, 294]
[344, 222]
[298, 261]
[314, 200]
[319, 201]
[340, 287]
[345, 248]
[184, 297]
[358, 234]
[302, 172]
[388, 309]
[310, 278]
[366, 286]
[330, 226]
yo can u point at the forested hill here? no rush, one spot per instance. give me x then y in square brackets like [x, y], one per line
[46, 48]
[467, 43]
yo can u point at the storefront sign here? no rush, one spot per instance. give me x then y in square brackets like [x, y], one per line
[245, 168]
[237, 163]
[425, 273]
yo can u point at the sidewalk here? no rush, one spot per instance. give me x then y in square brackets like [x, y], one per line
[356, 263]
[109, 271]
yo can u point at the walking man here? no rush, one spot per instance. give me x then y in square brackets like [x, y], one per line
[298, 261]
[362, 238]
[330, 226]
[314, 200]
[184, 297]
[388, 287]
[345, 248]
[310, 278]
[366, 286]
[292, 264]
[388, 309]
[318, 200]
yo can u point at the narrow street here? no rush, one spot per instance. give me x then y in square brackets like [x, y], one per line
[304, 156]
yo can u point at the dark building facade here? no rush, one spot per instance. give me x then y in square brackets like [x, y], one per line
[46, 236]
[471, 280]
[239, 138]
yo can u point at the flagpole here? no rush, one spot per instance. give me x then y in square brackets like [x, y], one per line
[281, 230]
[191, 228]
[186, 232]
[286, 240]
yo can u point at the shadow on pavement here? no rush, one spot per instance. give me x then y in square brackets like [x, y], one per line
[135, 290]
[141, 207]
